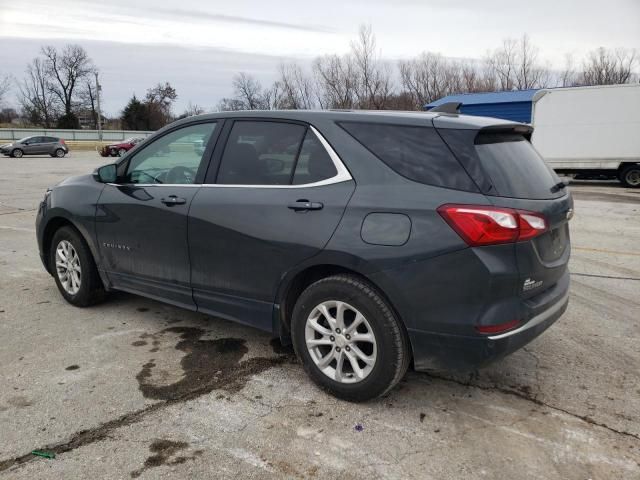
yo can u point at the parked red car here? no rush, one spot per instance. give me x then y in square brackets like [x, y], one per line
[119, 149]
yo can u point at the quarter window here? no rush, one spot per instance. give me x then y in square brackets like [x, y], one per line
[314, 163]
[417, 153]
[173, 158]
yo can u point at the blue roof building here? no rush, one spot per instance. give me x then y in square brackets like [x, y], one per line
[511, 105]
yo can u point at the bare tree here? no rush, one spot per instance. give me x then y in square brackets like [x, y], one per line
[230, 105]
[529, 72]
[193, 109]
[502, 64]
[373, 86]
[425, 78]
[66, 70]
[159, 100]
[5, 86]
[39, 103]
[248, 90]
[568, 77]
[336, 81]
[87, 98]
[516, 65]
[609, 67]
[295, 90]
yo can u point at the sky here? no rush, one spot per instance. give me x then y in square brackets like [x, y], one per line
[198, 46]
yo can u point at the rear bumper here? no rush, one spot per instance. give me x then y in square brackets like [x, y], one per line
[435, 351]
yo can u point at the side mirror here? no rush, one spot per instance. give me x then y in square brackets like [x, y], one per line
[106, 174]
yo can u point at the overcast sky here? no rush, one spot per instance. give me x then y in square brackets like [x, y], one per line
[198, 46]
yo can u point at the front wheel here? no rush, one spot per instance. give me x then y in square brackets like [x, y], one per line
[121, 152]
[630, 176]
[17, 153]
[74, 270]
[348, 339]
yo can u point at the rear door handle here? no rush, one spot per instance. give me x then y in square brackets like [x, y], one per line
[172, 200]
[304, 205]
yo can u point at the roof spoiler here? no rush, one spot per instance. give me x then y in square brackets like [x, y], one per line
[448, 107]
[519, 128]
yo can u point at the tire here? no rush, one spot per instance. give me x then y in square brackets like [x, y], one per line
[90, 291]
[121, 152]
[390, 349]
[60, 153]
[17, 153]
[630, 176]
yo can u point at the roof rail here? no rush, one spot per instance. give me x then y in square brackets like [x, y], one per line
[448, 107]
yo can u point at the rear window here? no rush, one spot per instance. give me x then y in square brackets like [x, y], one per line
[515, 168]
[416, 153]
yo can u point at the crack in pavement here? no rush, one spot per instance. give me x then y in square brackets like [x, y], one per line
[535, 400]
[103, 431]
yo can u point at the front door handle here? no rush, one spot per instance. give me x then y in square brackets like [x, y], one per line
[172, 200]
[304, 205]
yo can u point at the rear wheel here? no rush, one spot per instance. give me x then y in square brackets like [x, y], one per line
[17, 153]
[59, 153]
[630, 176]
[74, 270]
[121, 152]
[348, 339]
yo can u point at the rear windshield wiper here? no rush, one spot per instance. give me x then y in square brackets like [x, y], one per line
[558, 186]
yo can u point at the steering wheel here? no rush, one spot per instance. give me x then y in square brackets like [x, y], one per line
[180, 175]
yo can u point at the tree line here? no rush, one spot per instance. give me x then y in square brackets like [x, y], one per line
[362, 79]
[59, 87]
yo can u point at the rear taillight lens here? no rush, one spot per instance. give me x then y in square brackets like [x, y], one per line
[500, 328]
[62, 141]
[485, 225]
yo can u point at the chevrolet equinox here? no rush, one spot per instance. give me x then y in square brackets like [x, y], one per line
[369, 240]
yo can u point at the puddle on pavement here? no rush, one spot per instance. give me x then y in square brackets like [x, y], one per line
[206, 365]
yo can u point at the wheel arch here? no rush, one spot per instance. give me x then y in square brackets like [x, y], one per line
[295, 283]
[54, 224]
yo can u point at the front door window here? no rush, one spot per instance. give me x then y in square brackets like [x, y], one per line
[173, 159]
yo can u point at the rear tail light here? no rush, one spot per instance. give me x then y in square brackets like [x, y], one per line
[62, 141]
[486, 225]
[501, 327]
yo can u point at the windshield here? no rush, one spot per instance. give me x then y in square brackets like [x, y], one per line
[22, 140]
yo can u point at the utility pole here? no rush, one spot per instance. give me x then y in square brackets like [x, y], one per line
[98, 89]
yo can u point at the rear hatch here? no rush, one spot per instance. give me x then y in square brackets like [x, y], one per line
[511, 174]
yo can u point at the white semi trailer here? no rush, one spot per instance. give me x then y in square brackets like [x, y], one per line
[590, 131]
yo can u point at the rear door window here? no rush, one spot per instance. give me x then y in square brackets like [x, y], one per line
[416, 153]
[515, 168]
[260, 152]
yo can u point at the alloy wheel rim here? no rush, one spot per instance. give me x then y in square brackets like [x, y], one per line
[18, 153]
[60, 153]
[68, 267]
[341, 342]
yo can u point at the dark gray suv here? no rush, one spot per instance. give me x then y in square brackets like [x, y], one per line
[38, 145]
[368, 240]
